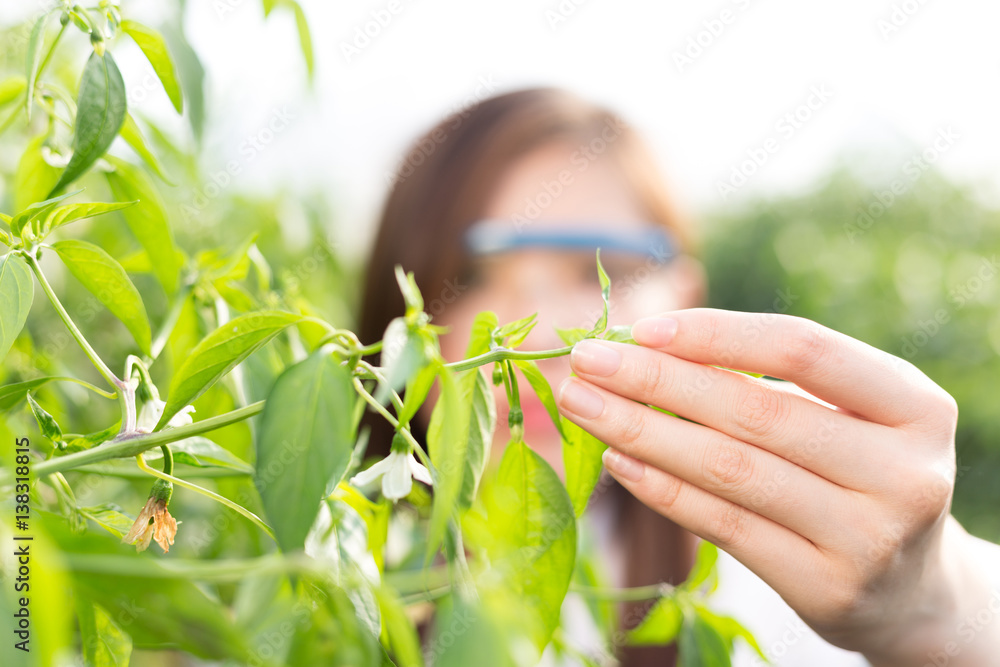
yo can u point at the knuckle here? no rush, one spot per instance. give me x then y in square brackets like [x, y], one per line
[630, 430]
[805, 346]
[945, 407]
[668, 494]
[846, 599]
[931, 496]
[729, 465]
[760, 410]
[886, 541]
[652, 380]
[706, 338]
[731, 526]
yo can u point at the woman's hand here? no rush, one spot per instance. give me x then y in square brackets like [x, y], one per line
[842, 508]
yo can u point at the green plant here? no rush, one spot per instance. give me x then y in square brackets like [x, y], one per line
[493, 553]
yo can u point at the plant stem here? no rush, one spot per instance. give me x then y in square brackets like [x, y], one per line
[405, 432]
[133, 445]
[503, 353]
[425, 596]
[236, 507]
[412, 582]
[177, 568]
[82, 383]
[462, 573]
[168, 459]
[397, 402]
[52, 50]
[68, 321]
[367, 350]
[61, 481]
[638, 593]
[96, 390]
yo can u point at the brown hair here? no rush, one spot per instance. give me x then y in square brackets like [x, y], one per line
[441, 188]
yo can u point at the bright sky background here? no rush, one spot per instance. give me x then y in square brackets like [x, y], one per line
[893, 87]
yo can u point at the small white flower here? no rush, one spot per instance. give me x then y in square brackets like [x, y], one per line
[151, 411]
[397, 472]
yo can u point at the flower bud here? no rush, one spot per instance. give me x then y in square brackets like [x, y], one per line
[81, 19]
[98, 43]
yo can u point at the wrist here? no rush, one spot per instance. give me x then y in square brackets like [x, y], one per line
[953, 617]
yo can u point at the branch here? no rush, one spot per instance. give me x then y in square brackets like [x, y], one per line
[132, 446]
[502, 353]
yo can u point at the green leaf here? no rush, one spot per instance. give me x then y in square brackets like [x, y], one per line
[660, 626]
[192, 76]
[572, 336]
[158, 611]
[202, 453]
[417, 388]
[147, 220]
[109, 517]
[132, 135]
[542, 390]
[302, 26]
[11, 394]
[34, 177]
[36, 210]
[160, 606]
[107, 280]
[104, 644]
[155, 49]
[532, 518]
[11, 89]
[729, 628]
[332, 634]
[700, 645]
[16, 293]
[219, 352]
[100, 113]
[64, 215]
[46, 422]
[582, 462]
[35, 42]
[704, 566]
[515, 332]
[93, 439]
[411, 293]
[602, 321]
[480, 634]
[400, 633]
[305, 39]
[403, 354]
[481, 334]
[305, 441]
[619, 334]
[482, 421]
[220, 265]
[374, 515]
[447, 442]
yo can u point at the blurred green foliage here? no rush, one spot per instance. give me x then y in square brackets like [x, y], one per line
[914, 274]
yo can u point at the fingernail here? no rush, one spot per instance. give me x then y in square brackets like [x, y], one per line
[623, 466]
[654, 331]
[595, 358]
[580, 400]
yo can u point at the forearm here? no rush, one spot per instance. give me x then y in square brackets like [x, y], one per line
[961, 626]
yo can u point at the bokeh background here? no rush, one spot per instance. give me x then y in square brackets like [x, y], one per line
[842, 161]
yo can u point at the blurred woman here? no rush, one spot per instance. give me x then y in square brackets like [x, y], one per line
[841, 508]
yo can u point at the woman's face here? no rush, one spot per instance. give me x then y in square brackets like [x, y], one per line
[560, 285]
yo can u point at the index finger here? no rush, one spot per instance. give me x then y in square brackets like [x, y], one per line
[836, 368]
